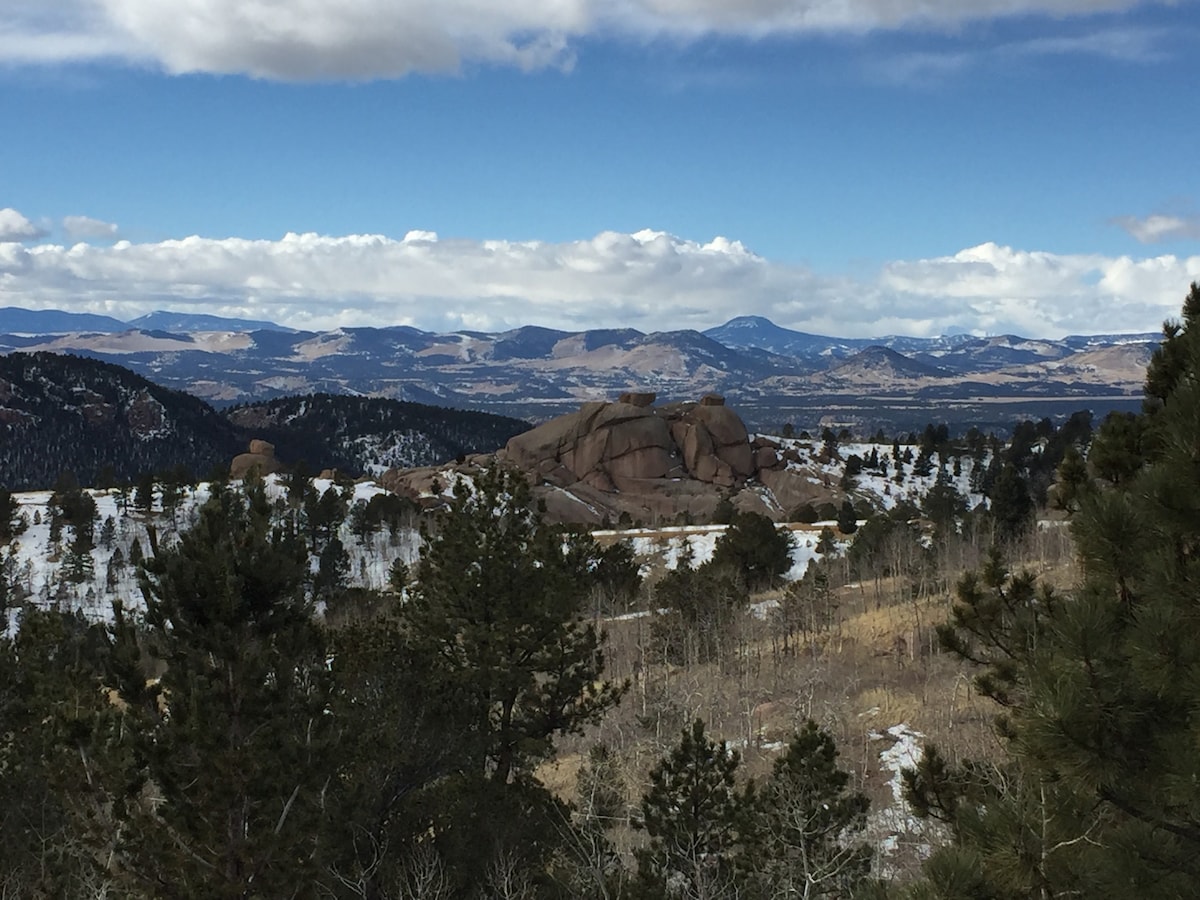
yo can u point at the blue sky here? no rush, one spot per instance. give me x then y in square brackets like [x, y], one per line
[857, 167]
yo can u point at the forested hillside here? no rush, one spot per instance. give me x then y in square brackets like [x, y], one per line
[101, 422]
[107, 425]
[371, 434]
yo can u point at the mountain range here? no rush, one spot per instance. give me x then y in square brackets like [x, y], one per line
[771, 374]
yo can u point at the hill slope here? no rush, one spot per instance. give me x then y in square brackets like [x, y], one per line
[66, 413]
[371, 434]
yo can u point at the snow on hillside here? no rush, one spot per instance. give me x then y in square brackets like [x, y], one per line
[36, 564]
[669, 546]
[882, 490]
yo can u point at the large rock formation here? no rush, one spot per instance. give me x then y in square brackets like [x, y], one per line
[655, 464]
[619, 446]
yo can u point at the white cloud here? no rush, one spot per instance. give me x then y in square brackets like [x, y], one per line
[15, 227]
[80, 227]
[1123, 44]
[649, 280]
[365, 39]
[1158, 227]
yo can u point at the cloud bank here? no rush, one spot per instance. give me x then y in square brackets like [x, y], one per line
[649, 280]
[368, 39]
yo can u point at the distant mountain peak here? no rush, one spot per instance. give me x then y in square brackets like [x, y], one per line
[174, 321]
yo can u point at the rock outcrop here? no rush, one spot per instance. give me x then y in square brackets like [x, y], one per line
[618, 446]
[652, 463]
[261, 456]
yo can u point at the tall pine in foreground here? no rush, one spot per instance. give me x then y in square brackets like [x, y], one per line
[696, 819]
[498, 609]
[230, 747]
[1100, 688]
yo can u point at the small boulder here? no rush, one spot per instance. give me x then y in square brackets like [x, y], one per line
[638, 398]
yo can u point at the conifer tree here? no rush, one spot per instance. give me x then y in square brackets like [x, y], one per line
[498, 605]
[55, 728]
[755, 548]
[695, 817]
[234, 738]
[8, 515]
[1100, 687]
[808, 826]
[847, 519]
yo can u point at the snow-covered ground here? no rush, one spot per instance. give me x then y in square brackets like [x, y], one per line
[36, 564]
[895, 824]
[882, 490]
[670, 545]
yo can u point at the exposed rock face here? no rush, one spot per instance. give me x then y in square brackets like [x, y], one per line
[656, 464]
[618, 446]
[261, 456]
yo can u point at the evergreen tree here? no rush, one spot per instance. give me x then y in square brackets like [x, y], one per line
[108, 533]
[1010, 505]
[847, 520]
[808, 825]
[755, 548]
[826, 541]
[8, 516]
[143, 492]
[235, 736]
[1073, 481]
[1118, 451]
[400, 728]
[55, 730]
[1100, 688]
[943, 503]
[333, 569]
[695, 818]
[498, 604]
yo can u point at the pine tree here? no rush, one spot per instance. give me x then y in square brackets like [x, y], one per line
[55, 730]
[498, 604]
[755, 548]
[8, 515]
[108, 533]
[808, 826]
[695, 818]
[1100, 687]
[235, 736]
[847, 520]
[1010, 505]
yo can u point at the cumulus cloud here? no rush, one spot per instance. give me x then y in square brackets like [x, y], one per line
[649, 280]
[1158, 227]
[80, 227]
[14, 227]
[365, 39]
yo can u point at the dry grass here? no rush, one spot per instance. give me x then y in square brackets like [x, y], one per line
[877, 666]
